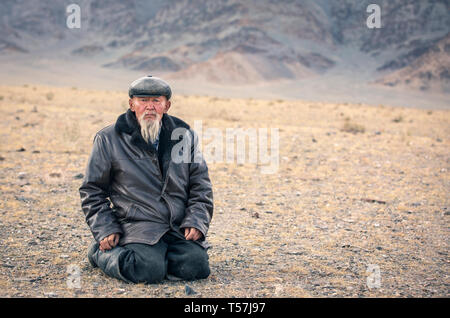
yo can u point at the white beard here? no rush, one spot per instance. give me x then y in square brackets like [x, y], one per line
[150, 128]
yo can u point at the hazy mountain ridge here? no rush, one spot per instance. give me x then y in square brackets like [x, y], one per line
[220, 40]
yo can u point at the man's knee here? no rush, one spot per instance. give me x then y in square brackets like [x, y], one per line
[151, 272]
[146, 266]
[190, 266]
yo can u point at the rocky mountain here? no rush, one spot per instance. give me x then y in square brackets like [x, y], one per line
[424, 68]
[231, 41]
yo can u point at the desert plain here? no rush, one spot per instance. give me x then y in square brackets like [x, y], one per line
[358, 206]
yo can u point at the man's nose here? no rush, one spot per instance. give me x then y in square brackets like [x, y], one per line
[149, 106]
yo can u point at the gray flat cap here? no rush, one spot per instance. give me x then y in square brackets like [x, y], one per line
[149, 86]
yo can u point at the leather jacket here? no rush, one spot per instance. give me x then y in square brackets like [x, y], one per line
[140, 192]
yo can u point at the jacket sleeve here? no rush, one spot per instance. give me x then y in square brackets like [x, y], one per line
[94, 193]
[199, 210]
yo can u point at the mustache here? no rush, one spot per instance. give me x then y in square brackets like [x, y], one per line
[142, 117]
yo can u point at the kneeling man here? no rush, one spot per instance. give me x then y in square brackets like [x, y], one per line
[148, 213]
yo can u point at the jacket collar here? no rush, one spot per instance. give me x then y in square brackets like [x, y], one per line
[128, 124]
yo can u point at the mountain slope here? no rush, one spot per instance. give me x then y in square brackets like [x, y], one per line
[430, 70]
[231, 41]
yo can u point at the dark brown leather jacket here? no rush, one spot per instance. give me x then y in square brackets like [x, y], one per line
[140, 192]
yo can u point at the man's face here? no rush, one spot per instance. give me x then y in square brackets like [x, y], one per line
[151, 107]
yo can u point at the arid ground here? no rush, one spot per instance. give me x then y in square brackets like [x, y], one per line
[359, 205]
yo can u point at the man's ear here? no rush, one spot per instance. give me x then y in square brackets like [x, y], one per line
[130, 102]
[167, 106]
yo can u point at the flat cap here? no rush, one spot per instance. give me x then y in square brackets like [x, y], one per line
[149, 86]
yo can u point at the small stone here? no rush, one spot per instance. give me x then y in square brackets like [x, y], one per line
[78, 176]
[21, 149]
[120, 290]
[23, 199]
[23, 279]
[189, 290]
[22, 175]
[55, 175]
[295, 253]
[255, 215]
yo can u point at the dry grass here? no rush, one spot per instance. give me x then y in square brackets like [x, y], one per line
[351, 127]
[337, 203]
[50, 96]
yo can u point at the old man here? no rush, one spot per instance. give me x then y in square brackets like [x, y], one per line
[149, 214]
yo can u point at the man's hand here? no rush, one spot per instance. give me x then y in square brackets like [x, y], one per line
[191, 233]
[109, 242]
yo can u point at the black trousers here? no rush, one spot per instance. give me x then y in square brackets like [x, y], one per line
[136, 263]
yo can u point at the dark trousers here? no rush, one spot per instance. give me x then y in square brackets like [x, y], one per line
[138, 263]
